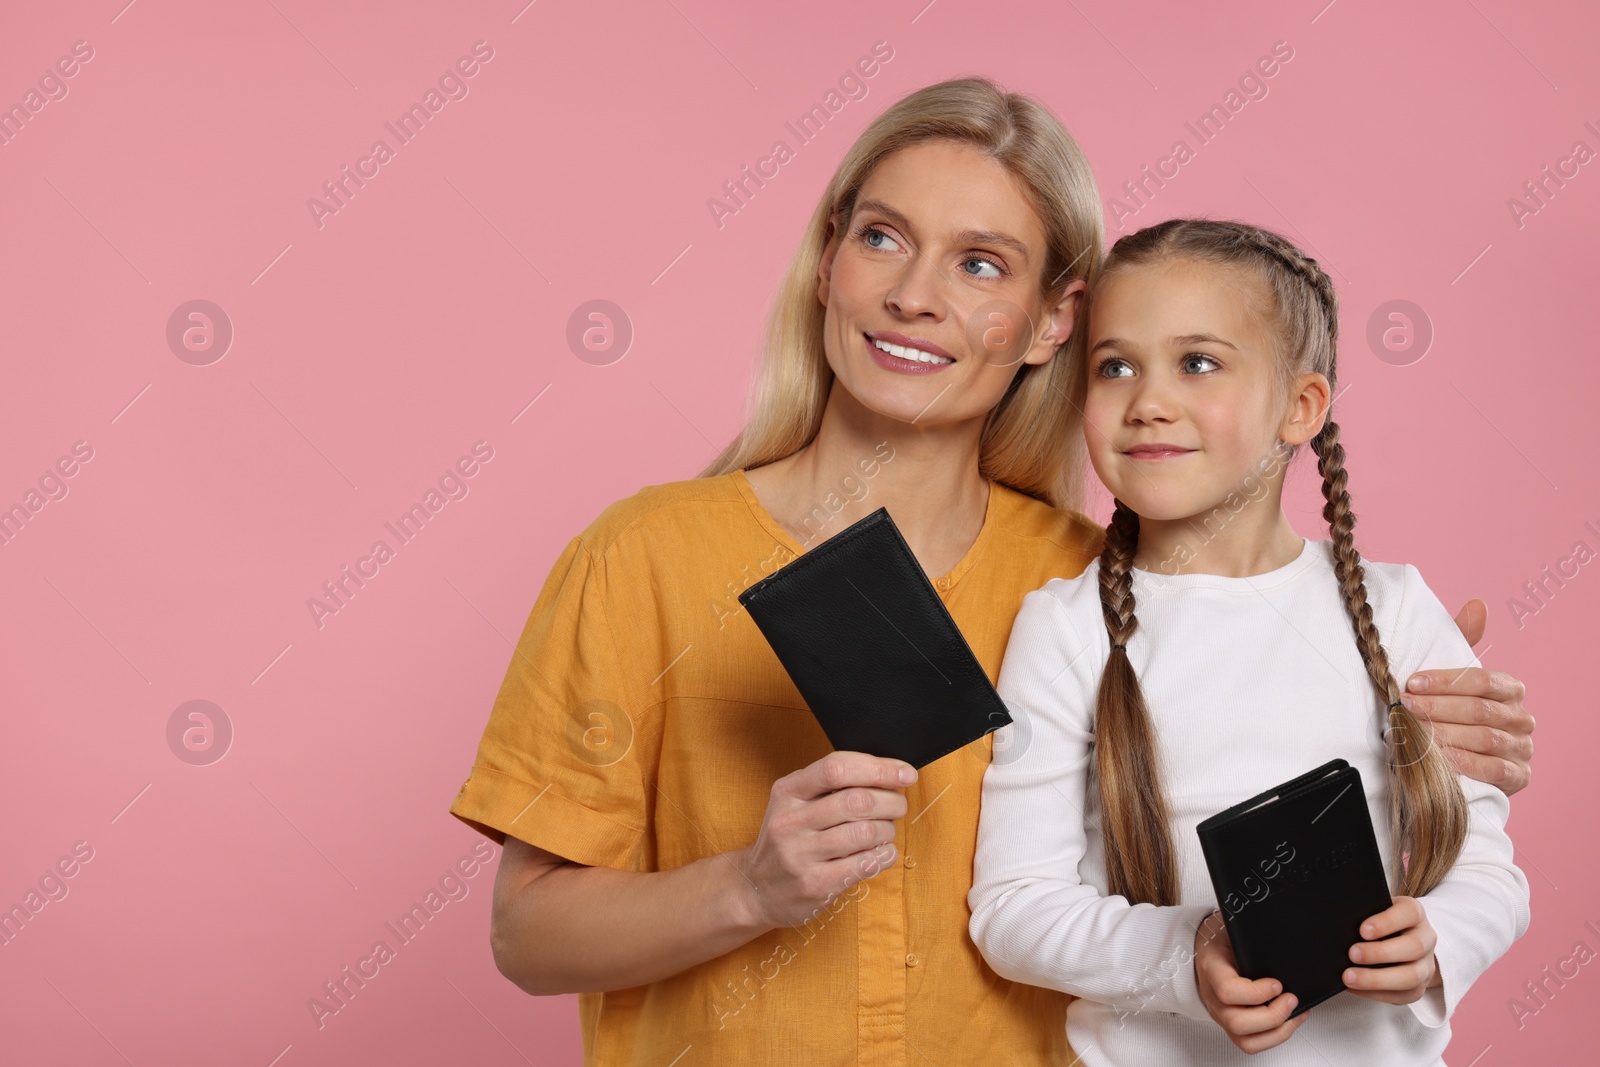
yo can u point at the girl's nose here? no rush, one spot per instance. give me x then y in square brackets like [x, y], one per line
[1151, 402]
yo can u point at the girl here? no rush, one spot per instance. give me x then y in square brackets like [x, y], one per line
[1208, 654]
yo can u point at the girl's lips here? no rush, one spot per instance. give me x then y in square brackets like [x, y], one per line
[1166, 453]
[903, 366]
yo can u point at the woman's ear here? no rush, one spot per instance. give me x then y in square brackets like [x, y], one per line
[825, 264]
[1058, 322]
[1308, 409]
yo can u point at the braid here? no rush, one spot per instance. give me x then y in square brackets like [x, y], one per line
[1307, 270]
[1141, 861]
[1427, 810]
[1116, 574]
[1346, 562]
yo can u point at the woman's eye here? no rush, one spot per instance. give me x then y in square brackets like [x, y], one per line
[867, 233]
[1201, 357]
[991, 264]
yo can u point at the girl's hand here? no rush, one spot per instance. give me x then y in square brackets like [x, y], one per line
[1250, 1012]
[1399, 964]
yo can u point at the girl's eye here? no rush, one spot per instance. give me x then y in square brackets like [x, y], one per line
[867, 233]
[998, 270]
[1111, 363]
[1202, 357]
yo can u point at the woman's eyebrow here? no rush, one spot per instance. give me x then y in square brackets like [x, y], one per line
[965, 237]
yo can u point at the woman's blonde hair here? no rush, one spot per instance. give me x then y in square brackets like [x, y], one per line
[1428, 811]
[1031, 440]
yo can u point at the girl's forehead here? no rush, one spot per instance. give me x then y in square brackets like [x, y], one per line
[1180, 296]
[1185, 272]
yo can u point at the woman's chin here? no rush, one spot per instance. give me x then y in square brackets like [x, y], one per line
[910, 399]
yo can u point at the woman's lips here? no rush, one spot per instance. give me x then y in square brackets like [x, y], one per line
[903, 366]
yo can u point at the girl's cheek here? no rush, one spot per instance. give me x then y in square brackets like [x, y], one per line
[1099, 418]
[1221, 421]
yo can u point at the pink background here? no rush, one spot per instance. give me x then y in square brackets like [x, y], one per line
[371, 352]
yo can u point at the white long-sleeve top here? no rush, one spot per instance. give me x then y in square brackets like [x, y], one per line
[1249, 681]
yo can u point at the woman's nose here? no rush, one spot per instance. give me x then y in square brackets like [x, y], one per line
[919, 290]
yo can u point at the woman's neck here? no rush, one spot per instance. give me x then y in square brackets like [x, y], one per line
[928, 479]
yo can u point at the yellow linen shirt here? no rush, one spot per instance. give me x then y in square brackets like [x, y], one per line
[640, 726]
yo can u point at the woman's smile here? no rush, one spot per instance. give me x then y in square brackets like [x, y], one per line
[907, 355]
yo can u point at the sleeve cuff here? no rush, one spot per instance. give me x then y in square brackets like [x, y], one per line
[496, 805]
[1185, 988]
[1430, 1009]
[1178, 992]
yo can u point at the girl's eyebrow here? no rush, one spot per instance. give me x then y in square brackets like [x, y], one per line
[1176, 342]
[965, 237]
[1200, 339]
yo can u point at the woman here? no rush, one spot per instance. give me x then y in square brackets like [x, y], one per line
[681, 847]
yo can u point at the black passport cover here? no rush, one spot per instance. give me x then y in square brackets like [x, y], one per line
[872, 648]
[1296, 871]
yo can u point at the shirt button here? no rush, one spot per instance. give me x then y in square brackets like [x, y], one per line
[911, 959]
[943, 583]
[911, 861]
